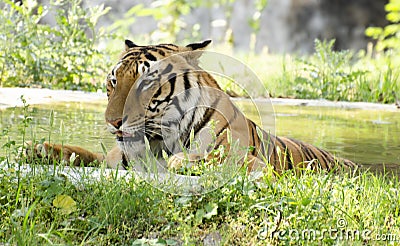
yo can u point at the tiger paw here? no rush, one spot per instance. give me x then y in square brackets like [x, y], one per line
[182, 160]
[176, 161]
[29, 151]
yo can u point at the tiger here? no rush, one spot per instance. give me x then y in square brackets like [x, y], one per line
[159, 98]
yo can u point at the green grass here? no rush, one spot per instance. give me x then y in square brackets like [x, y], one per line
[50, 208]
[110, 210]
[325, 74]
[43, 206]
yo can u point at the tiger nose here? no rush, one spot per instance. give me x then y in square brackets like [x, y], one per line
[116, 123]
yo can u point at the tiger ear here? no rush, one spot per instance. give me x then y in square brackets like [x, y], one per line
[199, 46]
[129, 44]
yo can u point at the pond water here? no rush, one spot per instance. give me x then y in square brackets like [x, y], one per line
[74, 124]
[365, 136]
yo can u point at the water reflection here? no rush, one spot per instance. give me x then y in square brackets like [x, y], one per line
[364, 136]
[74, 123]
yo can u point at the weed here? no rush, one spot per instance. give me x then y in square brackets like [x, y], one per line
[388, 37]
[45, 206]
[328, 74]
[60, 56]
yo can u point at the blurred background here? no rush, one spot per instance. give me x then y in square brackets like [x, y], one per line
[280, 26]
[332, 49]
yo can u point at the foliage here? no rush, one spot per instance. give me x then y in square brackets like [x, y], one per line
[388, 38]
[67, 56]
[169, 16]
[388, 49]
[327, 74]
[171, 20]
[60, 56]
[339, 75]
[121, 211]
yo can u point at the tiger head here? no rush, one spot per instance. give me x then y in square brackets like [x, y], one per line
[138, 68]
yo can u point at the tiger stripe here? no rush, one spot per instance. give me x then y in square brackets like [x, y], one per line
[175, 98]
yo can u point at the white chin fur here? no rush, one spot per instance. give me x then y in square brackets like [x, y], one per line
[132, 150]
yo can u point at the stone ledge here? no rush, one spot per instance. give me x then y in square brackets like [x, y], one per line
[11, 97]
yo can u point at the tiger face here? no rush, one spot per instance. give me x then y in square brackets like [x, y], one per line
[137, 69]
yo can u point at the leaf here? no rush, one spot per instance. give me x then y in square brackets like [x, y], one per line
[390, 30]
[160, 242]
[305, 201]
[392, 7]
[183, 201]
[393, 17]
[171, 242]
[157, 13]
[154, 242]
[199, 215]
[141, 241]
[65, 203]
[132, 11]
[211, 209]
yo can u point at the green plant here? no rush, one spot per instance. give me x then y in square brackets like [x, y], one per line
[60, 56]
[45, 205]
[168, 15]
[388, 37]
[328, 74]
[172, 25]
[387, 52]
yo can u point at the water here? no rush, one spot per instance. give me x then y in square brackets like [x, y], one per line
[364, 136]
[368, 137]
[74, 124]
